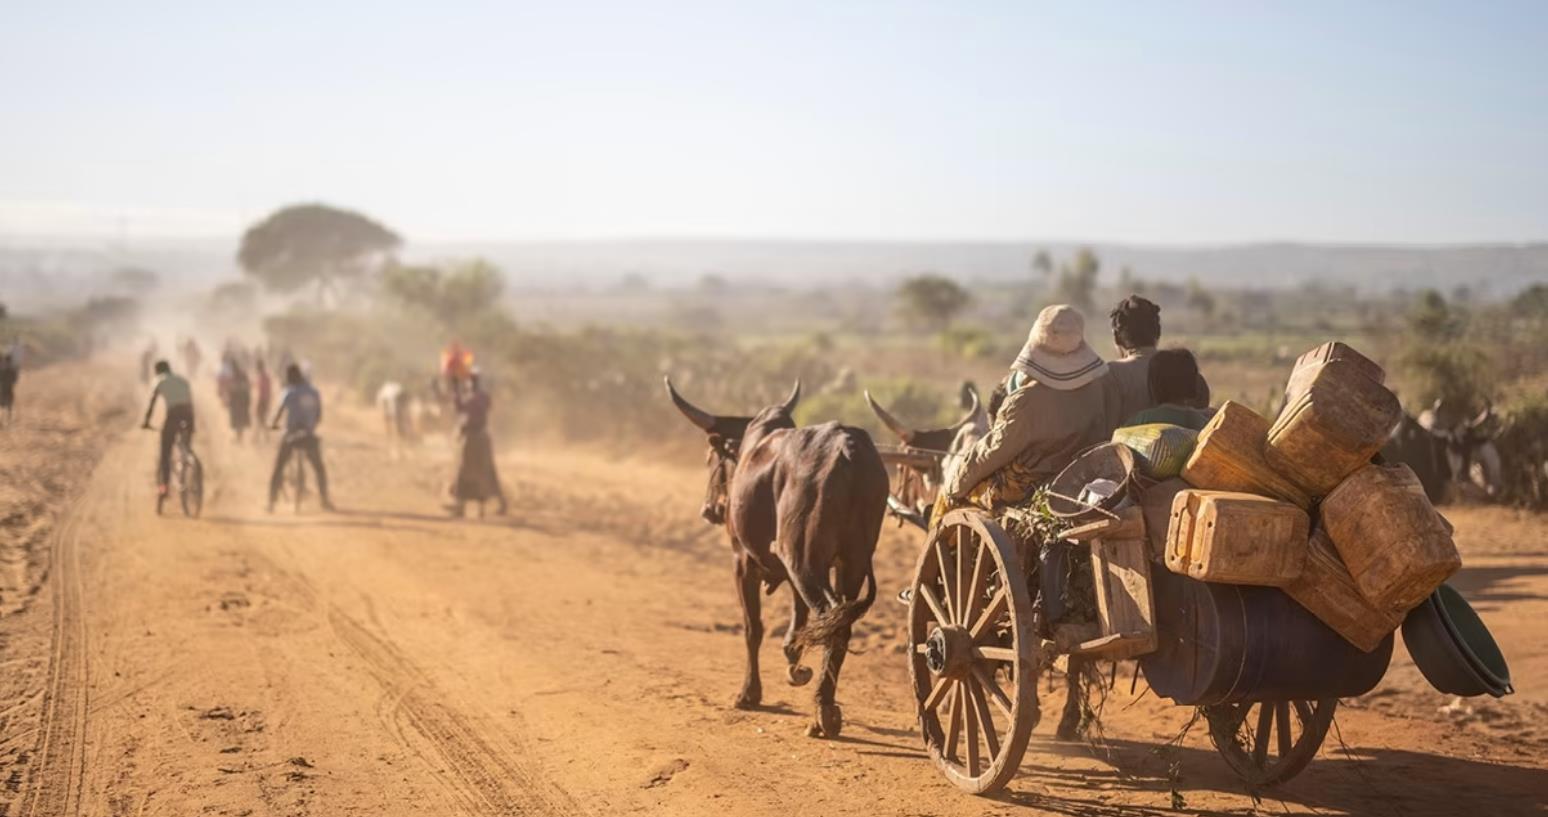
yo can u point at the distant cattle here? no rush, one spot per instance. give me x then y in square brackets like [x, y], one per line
[1459, 461]
[798, 503]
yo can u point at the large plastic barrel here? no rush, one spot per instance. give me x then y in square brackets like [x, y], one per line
[1223, 643]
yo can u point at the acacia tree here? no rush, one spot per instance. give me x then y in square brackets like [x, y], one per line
[314, 245]
[452, 295]
[931, 300]
[1077, 280]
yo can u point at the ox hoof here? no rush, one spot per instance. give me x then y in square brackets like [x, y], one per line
[748, 700]
[1069, 728]
[797, 675]
[830, 722]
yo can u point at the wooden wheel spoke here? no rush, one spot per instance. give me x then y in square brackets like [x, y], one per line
[934, 604]
[940, 560]
[1005, 654]
[974, 584]
[956, 722]
[1260, 738]
[961, 585]
[986, 680]
[981, 707]
[937, 694]
[990, 613]
[1304, 710]
[965, 696]
[1282, 716]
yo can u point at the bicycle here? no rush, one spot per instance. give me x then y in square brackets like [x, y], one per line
[294, 487]
[187, 476]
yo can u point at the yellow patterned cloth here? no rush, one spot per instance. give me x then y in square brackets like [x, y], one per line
[1011, 485]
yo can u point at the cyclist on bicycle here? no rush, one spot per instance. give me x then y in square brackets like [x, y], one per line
[175, 392]
[301, 406]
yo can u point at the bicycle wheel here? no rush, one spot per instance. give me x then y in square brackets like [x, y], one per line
[191, 491]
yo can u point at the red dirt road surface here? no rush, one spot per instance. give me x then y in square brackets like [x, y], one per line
[577, 657]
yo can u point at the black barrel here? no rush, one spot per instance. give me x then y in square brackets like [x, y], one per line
[1226, 643]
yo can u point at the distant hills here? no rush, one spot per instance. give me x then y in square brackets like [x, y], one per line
[48, 271]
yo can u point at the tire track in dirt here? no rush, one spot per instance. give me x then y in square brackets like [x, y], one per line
[485, 778]
[61, 755]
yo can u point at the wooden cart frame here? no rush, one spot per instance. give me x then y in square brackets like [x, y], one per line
[976, 649]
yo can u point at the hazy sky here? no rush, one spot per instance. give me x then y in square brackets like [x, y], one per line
[1146, 122]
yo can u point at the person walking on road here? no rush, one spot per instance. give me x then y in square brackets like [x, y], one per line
[263, 397]
[9, 373]
[477, 479]
[178, 396]
[301, 406]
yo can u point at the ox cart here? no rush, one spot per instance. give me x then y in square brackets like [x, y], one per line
[1265, 674]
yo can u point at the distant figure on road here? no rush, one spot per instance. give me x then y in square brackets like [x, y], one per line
[192, 357]
[301, 406]
[175, 392]
[9, 372]
[476, 480]
[147, 359]
[239, 399]
[263, 393]
[392, 399]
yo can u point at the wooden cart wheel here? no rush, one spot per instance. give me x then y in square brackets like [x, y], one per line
[1269, 742]
[973, 652]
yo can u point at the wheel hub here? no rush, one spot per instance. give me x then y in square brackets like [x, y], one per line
[949, 651]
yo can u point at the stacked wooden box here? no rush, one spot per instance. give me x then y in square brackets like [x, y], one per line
[1298, 503]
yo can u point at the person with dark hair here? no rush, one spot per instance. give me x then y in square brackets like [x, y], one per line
[1174, 383]
[301, 406]
[1136, 330]
[178, 395]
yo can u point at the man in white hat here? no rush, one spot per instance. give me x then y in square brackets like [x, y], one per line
[1055, 407]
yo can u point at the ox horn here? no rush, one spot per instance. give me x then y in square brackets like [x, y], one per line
[695, 415]
[795, 397]
[972, 410]
[904, 432]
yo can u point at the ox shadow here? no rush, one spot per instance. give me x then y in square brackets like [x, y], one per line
[1346, 780]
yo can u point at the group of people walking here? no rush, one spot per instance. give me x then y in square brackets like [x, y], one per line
[246, 391]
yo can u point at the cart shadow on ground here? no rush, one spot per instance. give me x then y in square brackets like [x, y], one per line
[1498, 583]
[1356, 780]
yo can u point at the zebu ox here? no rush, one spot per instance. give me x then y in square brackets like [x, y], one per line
[1464, 458]
[919, 482]
[797, 504]
[928, 455]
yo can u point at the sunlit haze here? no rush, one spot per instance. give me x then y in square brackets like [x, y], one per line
[1197, 122]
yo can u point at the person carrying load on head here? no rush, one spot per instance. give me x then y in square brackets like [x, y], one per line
[456, 365]
[178, 396]
[1056, 405]
[1175, 385]
[477, 478]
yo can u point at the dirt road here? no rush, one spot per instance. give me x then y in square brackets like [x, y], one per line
[575, 658]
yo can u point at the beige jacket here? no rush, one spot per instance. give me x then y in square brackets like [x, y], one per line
[1040, 428]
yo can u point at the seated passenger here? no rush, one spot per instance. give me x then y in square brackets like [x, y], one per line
[1054, 408]
[1178, 390]
[1136, 331]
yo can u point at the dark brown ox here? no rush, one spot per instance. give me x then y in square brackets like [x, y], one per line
[928, 454]
[798, 504]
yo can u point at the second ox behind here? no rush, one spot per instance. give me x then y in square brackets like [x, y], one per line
[798, 504]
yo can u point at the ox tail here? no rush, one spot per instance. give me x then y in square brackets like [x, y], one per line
[830, 629]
